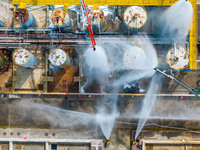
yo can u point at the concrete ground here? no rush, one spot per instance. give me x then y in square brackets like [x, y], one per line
[47, 118]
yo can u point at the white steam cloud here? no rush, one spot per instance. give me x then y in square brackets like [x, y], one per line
[176, 21]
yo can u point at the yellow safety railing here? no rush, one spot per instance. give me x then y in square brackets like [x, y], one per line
[193, 38]
[65, 8]
[95, 2]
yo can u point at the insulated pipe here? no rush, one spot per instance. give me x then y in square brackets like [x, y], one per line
[25, 18]
[78, 20]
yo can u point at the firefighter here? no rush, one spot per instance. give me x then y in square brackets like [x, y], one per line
[107, 143]
[132, 143]
[136, 144]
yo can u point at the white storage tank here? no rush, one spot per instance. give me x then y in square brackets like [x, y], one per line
[134, 58]
[135, 16]
[59, 18]
[59, 58]
[178, 57]
[25, 18]
[24, 58]
[96, 17]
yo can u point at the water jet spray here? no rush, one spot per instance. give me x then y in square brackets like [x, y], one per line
[148, 102]
[175, 23]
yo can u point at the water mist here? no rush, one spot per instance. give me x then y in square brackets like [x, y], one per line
[105, 117]
[107, 112]
[96, 61]
[56, 116]
[141, 57]
[146, 62]
[148, 102]
[176, 21]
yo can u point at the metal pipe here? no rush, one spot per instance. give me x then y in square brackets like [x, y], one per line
[15, 43]
[42, 140]
[186, 88]
[172, 77]
[25, 29]
[98, 94]
[78, 20]
[5, 38]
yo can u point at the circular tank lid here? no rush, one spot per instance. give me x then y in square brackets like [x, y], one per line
[178, 57]
[96, 16]
[2, 60]
[58, 57]
[20, 56]
[59, 17]
[21, 15]
[135, 16]
[134, 58]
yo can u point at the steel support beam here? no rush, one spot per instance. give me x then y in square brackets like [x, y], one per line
[43, 140]
[46, 145]
[10, 145]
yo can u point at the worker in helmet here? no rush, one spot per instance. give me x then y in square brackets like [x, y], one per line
[136, 144]
[107, 143]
